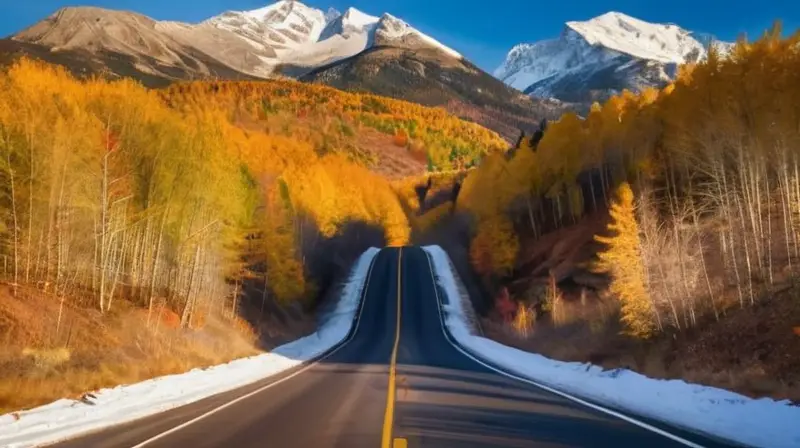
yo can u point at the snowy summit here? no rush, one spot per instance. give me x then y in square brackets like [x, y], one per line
[283, 24]
[308, 37]
[602, 56]
[628, 35]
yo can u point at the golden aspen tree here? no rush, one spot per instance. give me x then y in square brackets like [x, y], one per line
[622, 260]
[493, 250]
[716, 152]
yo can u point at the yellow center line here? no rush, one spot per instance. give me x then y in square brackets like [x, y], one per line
[388, 417]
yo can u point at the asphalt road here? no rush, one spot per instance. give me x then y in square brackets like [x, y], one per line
[440, 398]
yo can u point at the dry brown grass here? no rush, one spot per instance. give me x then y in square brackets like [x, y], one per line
[89, 351]
[752, 351]
[390, 159]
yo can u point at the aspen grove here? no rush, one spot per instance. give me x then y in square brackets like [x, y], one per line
[710, 220]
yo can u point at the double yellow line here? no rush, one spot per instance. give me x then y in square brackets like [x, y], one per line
[388, 416]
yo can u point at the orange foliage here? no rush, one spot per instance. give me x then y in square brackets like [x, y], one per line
[169, 318]
[235, 173]
[327, 118]
[400, 138]
[719, 145]
[494, 248]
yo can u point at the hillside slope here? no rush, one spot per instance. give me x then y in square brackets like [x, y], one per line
[353, 51]
[435, 78]
[391, 137]
[631, 238]
[161, 49]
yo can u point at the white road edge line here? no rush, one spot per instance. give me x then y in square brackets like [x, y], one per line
[611, 412]
[311, 364]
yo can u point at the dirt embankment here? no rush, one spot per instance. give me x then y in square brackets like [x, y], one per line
[51, 350]
[754, 351]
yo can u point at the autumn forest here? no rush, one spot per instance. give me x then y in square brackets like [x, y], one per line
[180, 202]
[208, 207]
[696, 188]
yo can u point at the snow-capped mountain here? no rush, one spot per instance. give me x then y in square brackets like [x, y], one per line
[352, 22]
[285, 24]
[353, 50]
[344, 36]
[593, 59]
[305, 37]
[284, 35]
[392, 31]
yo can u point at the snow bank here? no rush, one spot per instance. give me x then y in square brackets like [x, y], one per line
[762, 422]
[68, 418]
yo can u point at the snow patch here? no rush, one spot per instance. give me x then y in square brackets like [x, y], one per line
[717, 412]
[65, 419]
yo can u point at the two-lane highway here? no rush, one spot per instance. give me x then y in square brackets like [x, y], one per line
[397, 381]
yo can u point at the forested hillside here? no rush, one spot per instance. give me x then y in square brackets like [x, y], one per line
[434, 78]
[692, 194]
[132, 219]
[333, 121]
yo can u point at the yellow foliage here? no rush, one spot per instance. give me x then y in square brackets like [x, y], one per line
[229, 175]
[493, 250]
[432, 217]
[721, 139]
[284, 268]
[623, 260]
[554, 303]
[326, 118]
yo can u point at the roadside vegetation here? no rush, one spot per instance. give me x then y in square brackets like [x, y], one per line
[661, 232]
[170, 229]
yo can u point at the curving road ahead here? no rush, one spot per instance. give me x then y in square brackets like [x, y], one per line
[397, 381]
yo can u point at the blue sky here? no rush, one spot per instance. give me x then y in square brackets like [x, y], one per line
[481, 30]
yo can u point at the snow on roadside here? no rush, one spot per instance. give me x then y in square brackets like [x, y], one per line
[757, 422]
[64, 418]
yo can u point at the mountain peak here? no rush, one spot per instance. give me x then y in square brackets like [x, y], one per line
[615, 15]
[281, 6]
[332, 14]
[352, 22]
[286, 36]
[359, 19]
[667, 43]
[282, 25]
[91, 28]
[601, 56]
[395, 31]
